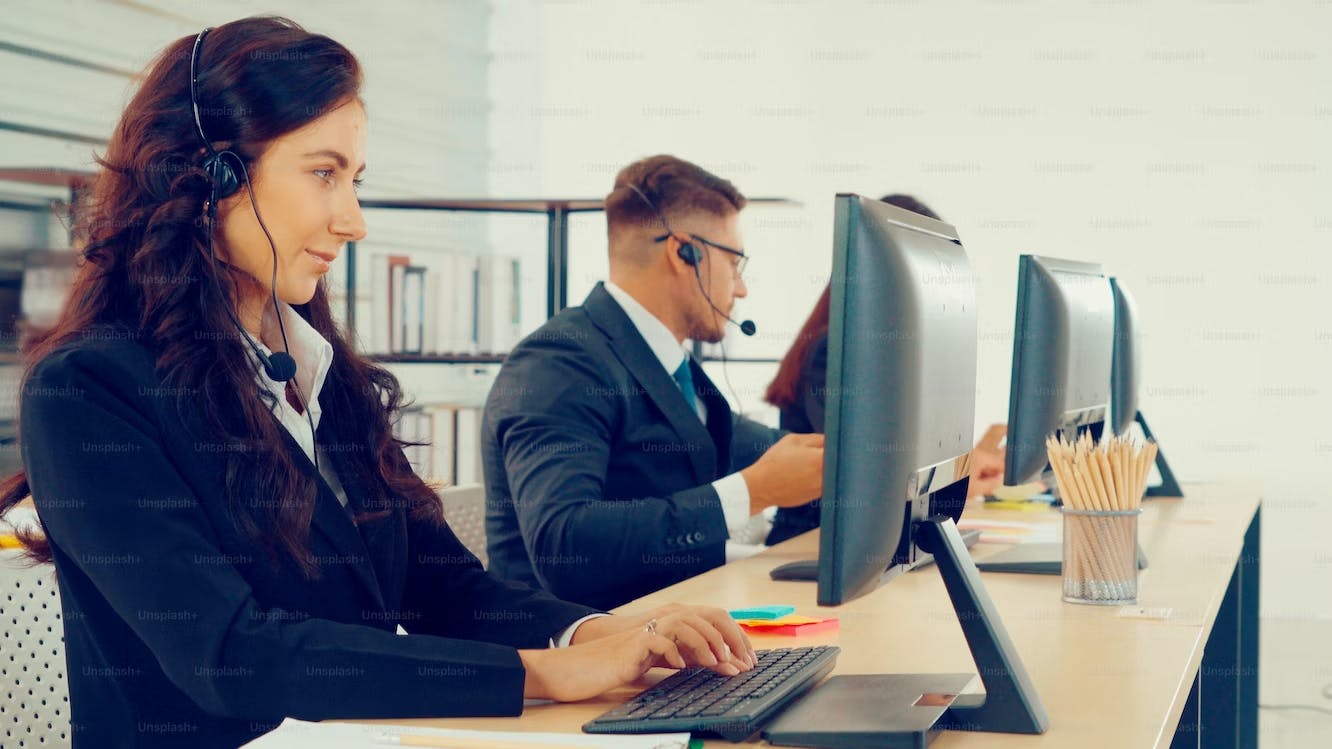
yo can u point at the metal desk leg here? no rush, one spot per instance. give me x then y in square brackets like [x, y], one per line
[1249, 571]
[557, 260]
[1187, 733]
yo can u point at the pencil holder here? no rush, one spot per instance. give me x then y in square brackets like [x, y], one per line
[1100, 556]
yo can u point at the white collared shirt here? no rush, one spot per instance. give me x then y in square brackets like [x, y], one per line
[731, 489]
[314, 356]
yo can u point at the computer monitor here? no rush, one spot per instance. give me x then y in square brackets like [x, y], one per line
[901, 391]
[1125, 382]
[1063, 345]
[1125, 369]
[900, 411]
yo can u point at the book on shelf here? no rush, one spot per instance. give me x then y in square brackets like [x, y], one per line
[398, 265]
[467, 446]
[450, 442]
[413, 309]
[432, 313]
[463, 321]
[408, 428]
[444, 303]
[443, 424]
[497, 305]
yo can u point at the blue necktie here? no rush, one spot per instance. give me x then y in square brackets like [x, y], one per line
[684, 377]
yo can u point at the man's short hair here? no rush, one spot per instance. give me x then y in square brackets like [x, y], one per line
[674, 186]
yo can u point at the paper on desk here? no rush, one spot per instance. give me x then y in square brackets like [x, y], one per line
[1012, 531]
[298, 733]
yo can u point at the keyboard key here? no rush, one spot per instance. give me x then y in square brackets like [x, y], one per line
[690, 711]
[727, 704]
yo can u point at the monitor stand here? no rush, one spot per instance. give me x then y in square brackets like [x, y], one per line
[1169, 486]
[909, 710]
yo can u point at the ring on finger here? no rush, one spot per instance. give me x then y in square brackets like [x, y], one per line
[651, 627]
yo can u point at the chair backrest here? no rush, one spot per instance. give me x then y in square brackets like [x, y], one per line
[34, 709]
[465, 512]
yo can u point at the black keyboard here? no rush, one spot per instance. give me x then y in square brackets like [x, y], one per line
[733, 707]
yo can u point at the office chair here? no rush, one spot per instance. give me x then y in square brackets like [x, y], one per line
[34, 710]
[465, 511]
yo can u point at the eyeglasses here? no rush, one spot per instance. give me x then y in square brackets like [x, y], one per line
[739, 265]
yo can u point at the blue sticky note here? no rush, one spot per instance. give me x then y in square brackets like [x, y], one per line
[762, 612]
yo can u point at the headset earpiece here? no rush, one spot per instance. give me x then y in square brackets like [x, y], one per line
[225, 180]
[690, 254]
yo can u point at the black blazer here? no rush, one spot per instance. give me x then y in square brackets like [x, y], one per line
[805, 417]
[598, 474]
[179, 631]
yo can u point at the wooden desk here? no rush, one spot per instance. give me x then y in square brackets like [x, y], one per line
[1106, 680]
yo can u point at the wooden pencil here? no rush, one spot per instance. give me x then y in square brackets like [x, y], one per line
[1147, 463]
[1059, 453]
[1092, 539]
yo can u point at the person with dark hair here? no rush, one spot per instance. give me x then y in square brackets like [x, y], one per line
[798, 391]
[614, 467]
[236, 534]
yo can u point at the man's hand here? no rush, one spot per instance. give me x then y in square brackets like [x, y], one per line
[987, 462]
[789, 474]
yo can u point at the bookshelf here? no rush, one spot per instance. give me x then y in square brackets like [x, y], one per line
[556, 212]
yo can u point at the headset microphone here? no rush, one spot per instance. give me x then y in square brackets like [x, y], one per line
[747, 327]
[692, 257]
[280, 367]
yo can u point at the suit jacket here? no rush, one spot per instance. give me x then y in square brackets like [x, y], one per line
[805, 417]
[181, 631]
[598, 474]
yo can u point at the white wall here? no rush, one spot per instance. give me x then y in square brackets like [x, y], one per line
[425, 70]
[1183, 144]
[515, 137]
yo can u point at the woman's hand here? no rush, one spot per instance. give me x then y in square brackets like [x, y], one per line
[706, 635]
[615, 650]
[987, 462]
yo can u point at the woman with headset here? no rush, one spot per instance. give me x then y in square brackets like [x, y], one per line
[236, 534]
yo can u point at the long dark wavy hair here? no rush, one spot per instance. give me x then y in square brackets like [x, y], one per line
[145, 266]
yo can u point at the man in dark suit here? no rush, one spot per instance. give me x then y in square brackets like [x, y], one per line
[614, 467]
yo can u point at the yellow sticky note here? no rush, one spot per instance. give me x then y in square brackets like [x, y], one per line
[1023, 506]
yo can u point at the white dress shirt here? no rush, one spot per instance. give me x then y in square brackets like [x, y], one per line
[314, 356]
[731, 489]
